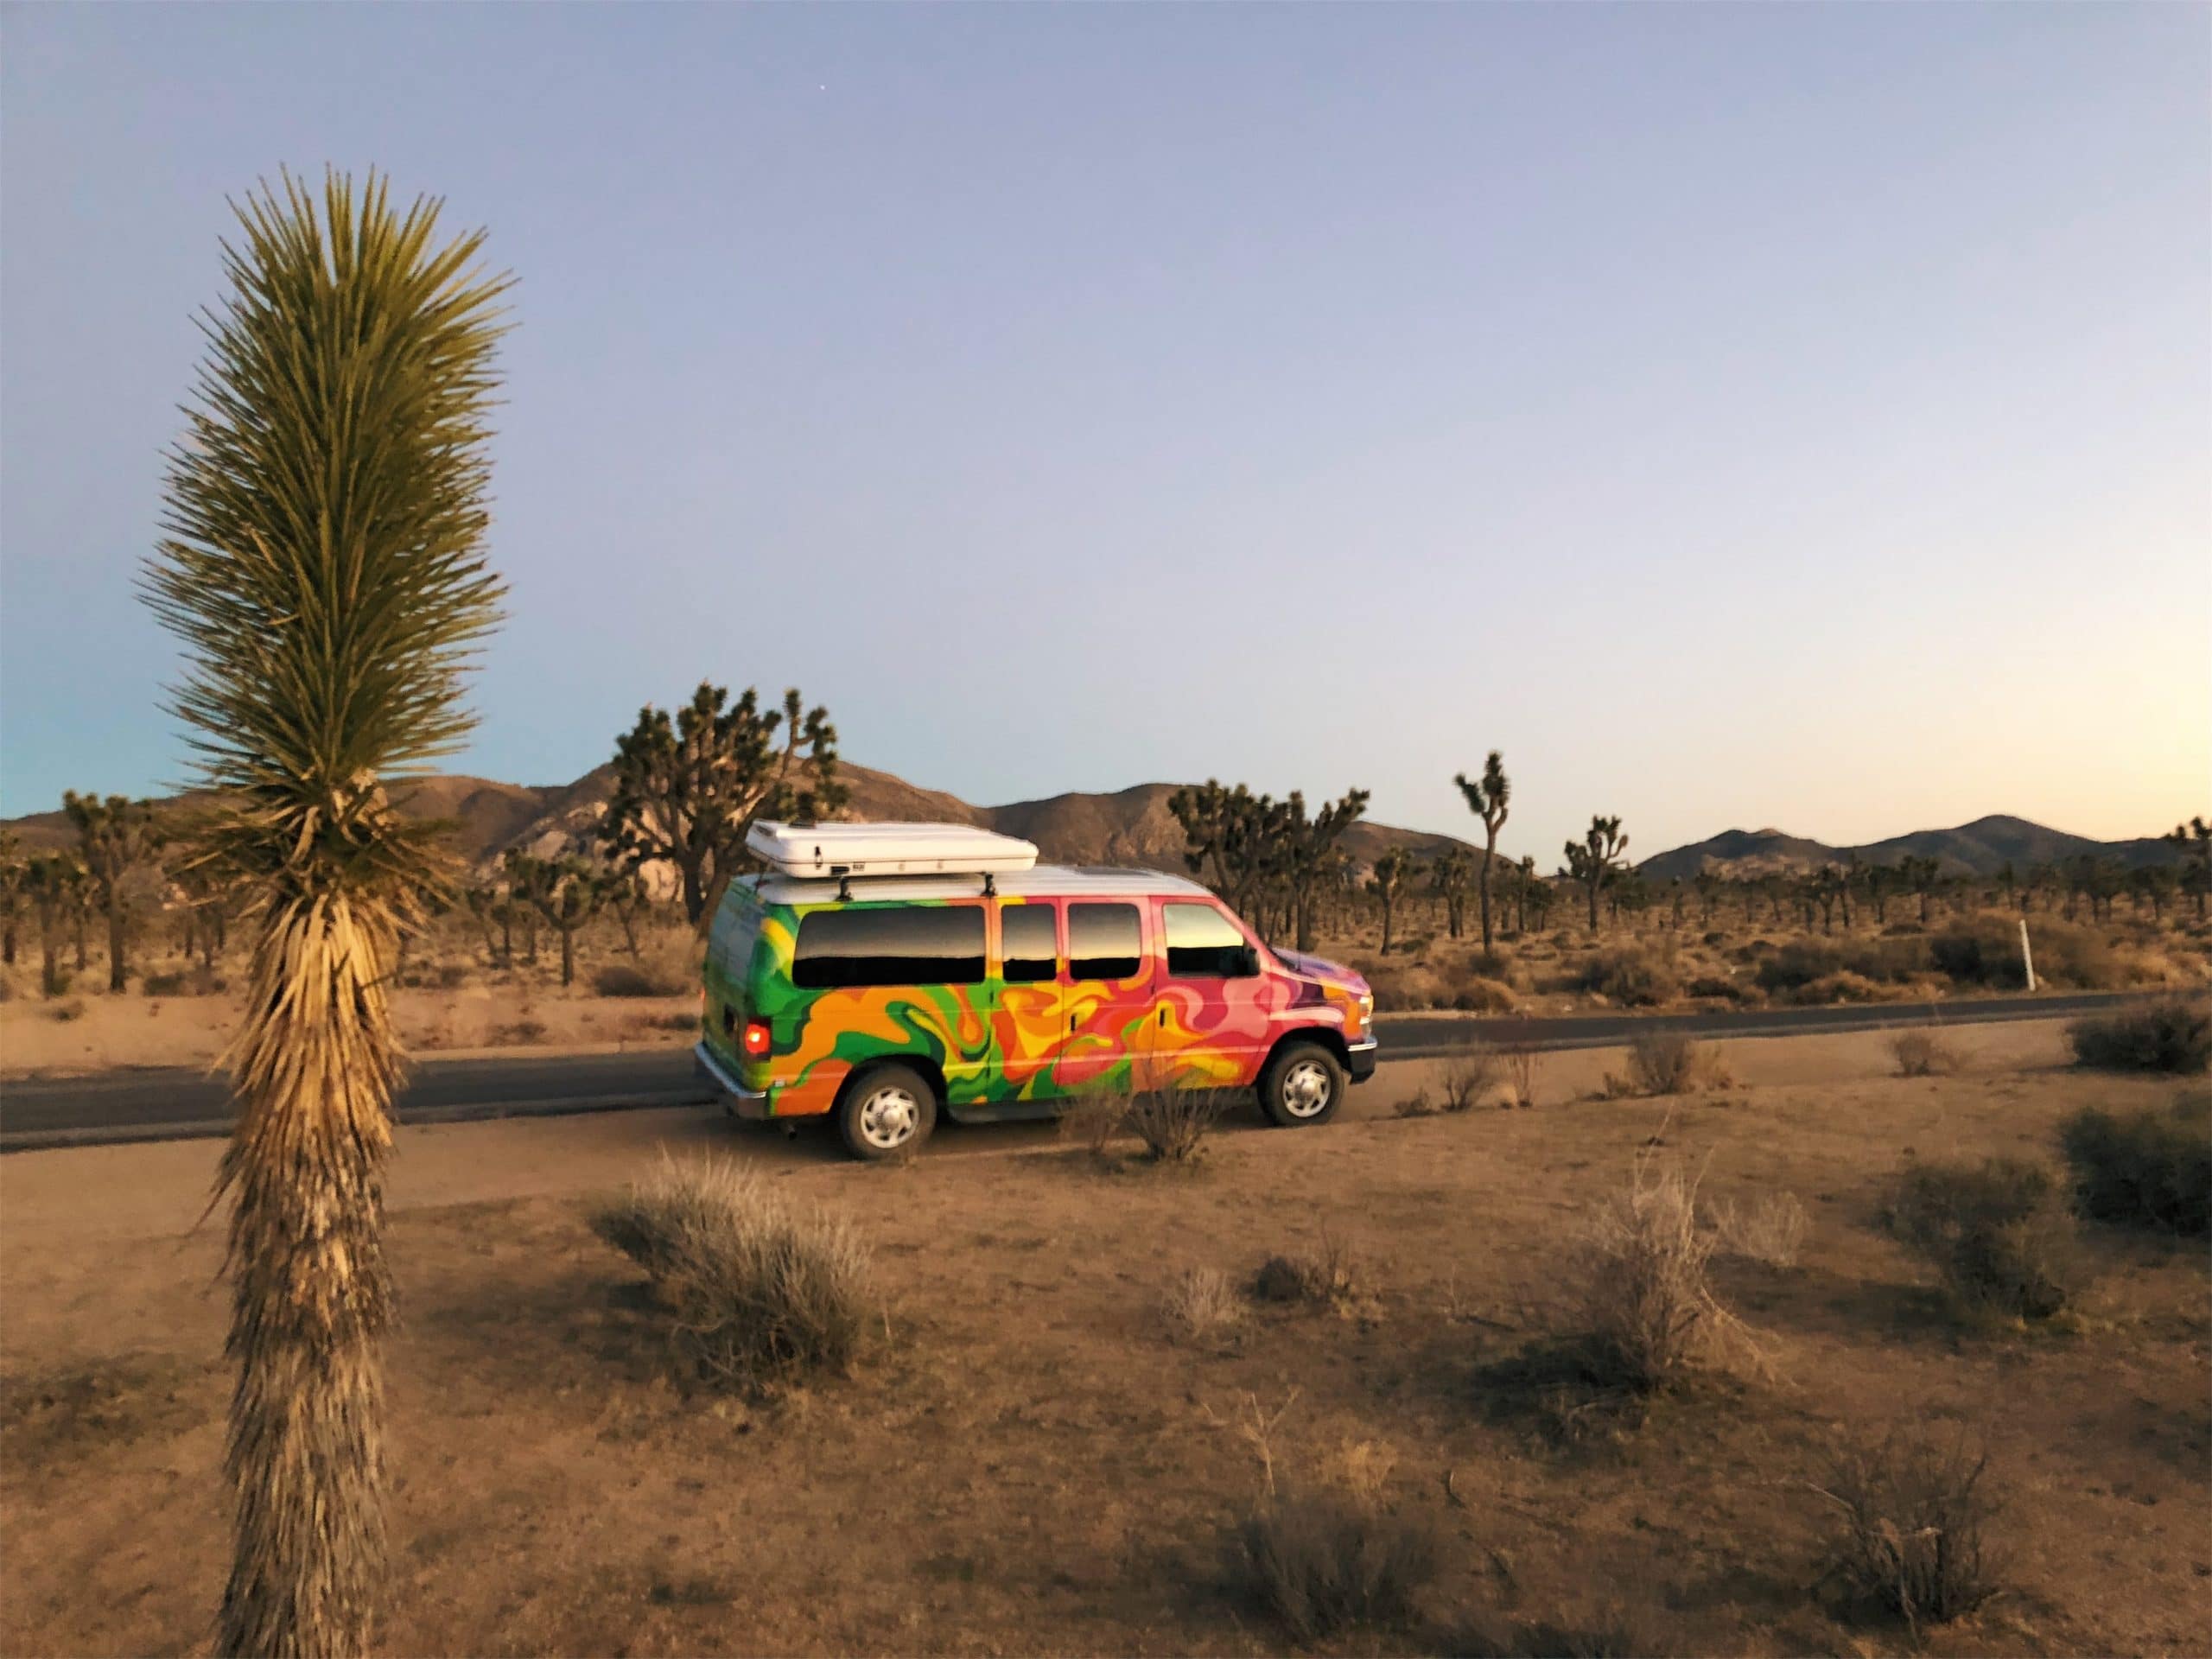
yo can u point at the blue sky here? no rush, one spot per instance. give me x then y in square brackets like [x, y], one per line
[1740, 415]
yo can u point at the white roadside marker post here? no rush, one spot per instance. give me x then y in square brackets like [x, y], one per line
[2027, 954]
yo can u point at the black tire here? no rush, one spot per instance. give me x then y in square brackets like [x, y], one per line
[1288, 1082]
[867, 1112]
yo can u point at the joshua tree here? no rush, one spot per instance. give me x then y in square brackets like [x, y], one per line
[1392, 871]
[1708, 886]
[629, 898]
[2195, 840]
[323, 567]
[1449, 873]
[1881, 882]
[114, 837]
[1486, 799]
[2152, 885]
[567, 894]
[687, 791]
[1594, 860]
[15, 870]
[1308, 851]
[1231, 838]
[54, 882]
[488, 904]
[1824, 888]
[526, 879]
[1920, 876]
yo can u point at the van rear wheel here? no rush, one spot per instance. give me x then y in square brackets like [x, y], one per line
[887, 1112]
[1303, 1084]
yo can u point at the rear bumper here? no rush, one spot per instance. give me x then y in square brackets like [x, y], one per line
[1361, 1060]
[737, 1100]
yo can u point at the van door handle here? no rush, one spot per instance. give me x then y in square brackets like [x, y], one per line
[1163, 1017]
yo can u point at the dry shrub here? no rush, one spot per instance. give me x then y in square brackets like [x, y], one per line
[66, 1011]
[1721, 989]
[1325, 1555]
[1092, 1120]
[1996, 1233]
[1522, 1056]
[1912, 1512]
[640, 979]
[1799, 968]
[1844, 987]
[2147, 1168]
[2172, 1034]
[1922, 1053]
[1669, 1063]
[1770, 1227]
[1984, 950]
[1630, 976]
[1636, 1285]
[196, 980]
[1201, 1308]
[759, 1293]
[1172, 1121]
[1608, 1631]
[1417, 1104]
[1323, 1277]
[1471, 1076]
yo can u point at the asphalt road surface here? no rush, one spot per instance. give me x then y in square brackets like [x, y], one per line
[181, 1104]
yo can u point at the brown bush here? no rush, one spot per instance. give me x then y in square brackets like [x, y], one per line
[1996, 1233]
[1172, 1121]
[638, 979]
[2146, 1168]
[1922, 1054]
[1325, 1555]
[1201, 1309]
[1636, 1289]
[1669, 1063]
[1471, 1076]
[2173, 1036]
[1770, 1227]
[1630, 976]
[1912, 1513]
[756, 1293]
[1323, 1277]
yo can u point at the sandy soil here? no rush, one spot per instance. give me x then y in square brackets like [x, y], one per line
[1025, 1463]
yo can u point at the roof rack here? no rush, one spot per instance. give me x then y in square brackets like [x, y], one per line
[845, 852]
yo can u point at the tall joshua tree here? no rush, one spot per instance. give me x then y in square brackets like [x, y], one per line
[2193, 839]
[15, 875]
[323, 566]
[1393, 870]
[1307, 851]
[1450, 874]
[115, 837]
[1486, 799]
[686, 791]
[1595, 860]
[568, 893]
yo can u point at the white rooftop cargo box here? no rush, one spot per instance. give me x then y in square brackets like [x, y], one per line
[841, 850]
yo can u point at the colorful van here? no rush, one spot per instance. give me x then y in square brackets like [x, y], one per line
[885, 973]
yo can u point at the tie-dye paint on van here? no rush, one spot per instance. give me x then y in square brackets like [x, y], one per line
[992, 1049]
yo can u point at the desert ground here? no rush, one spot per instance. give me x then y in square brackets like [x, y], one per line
[458, 994]
[1027, 1457]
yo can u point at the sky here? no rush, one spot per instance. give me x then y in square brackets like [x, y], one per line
[1739, 415]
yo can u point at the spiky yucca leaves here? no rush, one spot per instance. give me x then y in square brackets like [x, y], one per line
[323, 567]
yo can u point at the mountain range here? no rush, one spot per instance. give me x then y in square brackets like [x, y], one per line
[1134, 826]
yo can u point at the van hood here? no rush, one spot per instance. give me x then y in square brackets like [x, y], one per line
[1321, 968]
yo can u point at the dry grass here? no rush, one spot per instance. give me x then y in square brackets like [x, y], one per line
[1091, 1122]
[1202, 1309]
[1417, 1104]
[757, 1293]
[1636, 1285]
[1770, 1227]
[1911, 1514]
[1996, 1234]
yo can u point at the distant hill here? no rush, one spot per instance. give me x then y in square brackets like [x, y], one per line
[1134, 826]
[1982, 848]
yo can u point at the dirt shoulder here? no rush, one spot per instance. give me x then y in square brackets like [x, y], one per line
[1025, 1462]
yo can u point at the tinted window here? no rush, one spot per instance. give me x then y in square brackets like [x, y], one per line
[1029, 942]
[1103, 942]
[897, 944]
[1203, 944]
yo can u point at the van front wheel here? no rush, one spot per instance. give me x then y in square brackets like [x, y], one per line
[886, 1111]
[1303, 1084]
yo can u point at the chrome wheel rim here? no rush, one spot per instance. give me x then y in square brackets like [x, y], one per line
[1306, 1088]
[889, 1117]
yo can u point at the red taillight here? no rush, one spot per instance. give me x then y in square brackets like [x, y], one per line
[755, 1040]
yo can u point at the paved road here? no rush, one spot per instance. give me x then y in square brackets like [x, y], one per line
[179, 1104]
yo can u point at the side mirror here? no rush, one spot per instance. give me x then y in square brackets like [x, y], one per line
[1247, 965]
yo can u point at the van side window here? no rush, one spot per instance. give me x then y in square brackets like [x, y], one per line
[890, 945]
[1104, 942]
[1029, 943]
[1203, 944]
